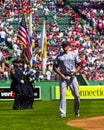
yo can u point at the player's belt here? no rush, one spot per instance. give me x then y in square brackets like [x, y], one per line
[71, 74]
[67, 74]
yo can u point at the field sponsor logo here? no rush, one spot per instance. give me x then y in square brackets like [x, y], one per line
[86, 92]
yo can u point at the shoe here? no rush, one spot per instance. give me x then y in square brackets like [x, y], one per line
[30, 107]
[16, 108]
[77, 115]
[63, 116]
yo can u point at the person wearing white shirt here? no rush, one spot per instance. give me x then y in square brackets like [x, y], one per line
[3, 37]
[48, 75]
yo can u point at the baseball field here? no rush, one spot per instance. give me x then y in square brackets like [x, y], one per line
[45, 115]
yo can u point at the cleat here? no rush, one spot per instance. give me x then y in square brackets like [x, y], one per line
[77, 115]
[63, 116]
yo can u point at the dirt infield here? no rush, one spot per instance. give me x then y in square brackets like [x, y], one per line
[94, 123]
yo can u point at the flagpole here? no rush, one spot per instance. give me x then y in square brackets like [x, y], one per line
[44, 48]
[30, 33]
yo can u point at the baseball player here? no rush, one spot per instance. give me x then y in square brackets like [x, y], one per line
[66, 65]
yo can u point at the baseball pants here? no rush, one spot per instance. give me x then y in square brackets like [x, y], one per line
[73, 84]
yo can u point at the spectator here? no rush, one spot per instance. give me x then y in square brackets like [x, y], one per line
[3, 36]
[2, 66]
[2, 63]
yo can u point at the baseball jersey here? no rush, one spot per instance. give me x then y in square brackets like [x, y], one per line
[67, 62]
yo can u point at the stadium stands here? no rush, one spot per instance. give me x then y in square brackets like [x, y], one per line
[65, 20]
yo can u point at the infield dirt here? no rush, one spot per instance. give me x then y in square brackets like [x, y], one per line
[94, 123]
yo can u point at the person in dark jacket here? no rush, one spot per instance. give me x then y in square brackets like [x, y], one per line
[17, 82]
[29, 89]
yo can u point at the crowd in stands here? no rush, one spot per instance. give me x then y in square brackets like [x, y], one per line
[82, 24]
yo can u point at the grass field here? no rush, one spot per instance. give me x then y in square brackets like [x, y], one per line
[45, 115]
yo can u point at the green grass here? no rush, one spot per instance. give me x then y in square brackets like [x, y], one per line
[45, 115]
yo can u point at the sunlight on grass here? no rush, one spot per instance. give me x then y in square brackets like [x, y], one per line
[45, 115]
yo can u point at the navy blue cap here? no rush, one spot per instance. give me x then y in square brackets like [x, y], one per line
[20, 61]
[65, 43]
[15, 61]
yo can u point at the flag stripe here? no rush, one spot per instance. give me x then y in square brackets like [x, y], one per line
[24, 39]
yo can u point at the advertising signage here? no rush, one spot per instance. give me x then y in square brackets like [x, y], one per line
[6, 93]
[86, 92]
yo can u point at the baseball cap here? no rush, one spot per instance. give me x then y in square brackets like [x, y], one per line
[15, 61]
[65, 43]
[21, 61]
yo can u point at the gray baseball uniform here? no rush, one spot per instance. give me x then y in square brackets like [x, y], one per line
[67, 64]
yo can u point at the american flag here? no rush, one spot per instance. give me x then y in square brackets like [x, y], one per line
[24, 39]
